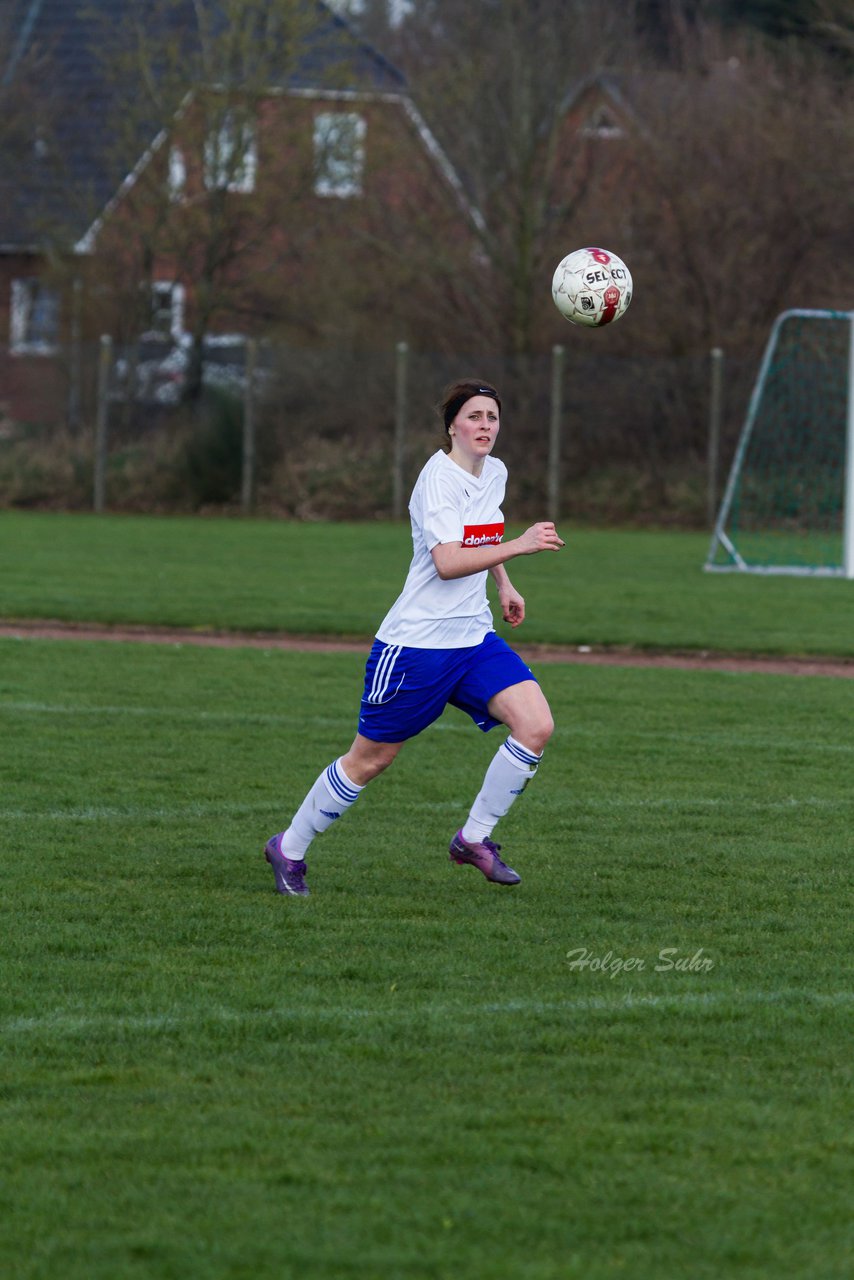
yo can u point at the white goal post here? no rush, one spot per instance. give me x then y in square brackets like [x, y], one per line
[788, 507]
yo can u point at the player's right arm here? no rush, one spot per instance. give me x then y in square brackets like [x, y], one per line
[453, 560]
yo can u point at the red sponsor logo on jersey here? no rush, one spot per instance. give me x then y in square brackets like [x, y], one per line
[482, 535]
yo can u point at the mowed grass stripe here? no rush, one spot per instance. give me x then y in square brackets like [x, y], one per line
[171, 713]
[790, 1000]
[220, 809]
[459, 724]
[122, 813]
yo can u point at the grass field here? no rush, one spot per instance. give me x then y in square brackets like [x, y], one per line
[413, 1074]
[639, 588]
[637, 1064]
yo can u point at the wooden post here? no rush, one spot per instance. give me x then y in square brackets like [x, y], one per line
[555, 430]
[714, 449]
[105, 366]
[247, 488]
[74, 358]
[401, 415]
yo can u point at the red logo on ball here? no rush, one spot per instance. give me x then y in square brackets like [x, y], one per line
[611, 298]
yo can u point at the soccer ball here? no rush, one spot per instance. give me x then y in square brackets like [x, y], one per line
[592, 287]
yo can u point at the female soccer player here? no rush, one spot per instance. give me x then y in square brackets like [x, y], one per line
[437, 645]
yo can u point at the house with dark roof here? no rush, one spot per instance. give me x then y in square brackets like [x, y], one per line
[307, 164]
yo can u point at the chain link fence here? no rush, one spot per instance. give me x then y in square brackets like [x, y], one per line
[341, 434]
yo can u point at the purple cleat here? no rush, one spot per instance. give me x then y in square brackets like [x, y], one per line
[482, 854]
[290, 875]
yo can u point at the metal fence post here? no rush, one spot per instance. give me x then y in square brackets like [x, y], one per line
[401, 415]
[555, 429]
[105, 365]
[247, 487]
[715, 417]
[848, 511]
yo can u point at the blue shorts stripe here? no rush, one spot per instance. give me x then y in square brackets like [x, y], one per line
[391, 656]
[383, 673]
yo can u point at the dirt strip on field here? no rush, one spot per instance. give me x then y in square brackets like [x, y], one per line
[584, 654]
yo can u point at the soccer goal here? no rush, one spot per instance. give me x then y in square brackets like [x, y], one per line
[789, 500]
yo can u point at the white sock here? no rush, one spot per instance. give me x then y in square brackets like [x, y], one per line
[332, 793]
[511, 769]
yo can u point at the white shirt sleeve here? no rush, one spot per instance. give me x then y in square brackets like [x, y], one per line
[441, 514]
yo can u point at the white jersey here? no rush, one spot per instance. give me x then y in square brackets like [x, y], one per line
[448, 504]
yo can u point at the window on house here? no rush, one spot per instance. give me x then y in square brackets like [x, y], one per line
[339, 154]
[601, 123]
[396, 11]
[231, 155]
[34, 318]
[177, 180]
[167, 308]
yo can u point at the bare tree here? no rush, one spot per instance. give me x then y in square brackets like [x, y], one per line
[31, 167]
[832, 26]
[494, 80]
[743, 189]
[825, 25]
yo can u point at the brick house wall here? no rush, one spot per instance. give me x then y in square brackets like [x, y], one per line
[335, 243]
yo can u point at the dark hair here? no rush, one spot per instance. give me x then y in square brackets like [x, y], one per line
[458, 393]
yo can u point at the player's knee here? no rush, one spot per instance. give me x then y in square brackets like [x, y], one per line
[534, 728]
[547, 727]
[541, 729]
[383, 757]
[528, 718]
[367, 759]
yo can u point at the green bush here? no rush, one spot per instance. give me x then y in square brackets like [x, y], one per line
[208, 467]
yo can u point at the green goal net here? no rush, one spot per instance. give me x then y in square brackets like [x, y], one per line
[789, 500]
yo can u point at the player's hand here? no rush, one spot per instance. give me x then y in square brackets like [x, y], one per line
[542, 536]
[512, 607]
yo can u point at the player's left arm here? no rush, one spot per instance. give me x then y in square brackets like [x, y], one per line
[512, 603]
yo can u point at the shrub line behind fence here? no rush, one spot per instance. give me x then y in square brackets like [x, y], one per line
[557, 429]
[589, 430]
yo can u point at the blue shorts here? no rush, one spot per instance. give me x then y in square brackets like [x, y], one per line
[407, 689]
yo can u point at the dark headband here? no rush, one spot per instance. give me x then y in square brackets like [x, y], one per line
[454, 406]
